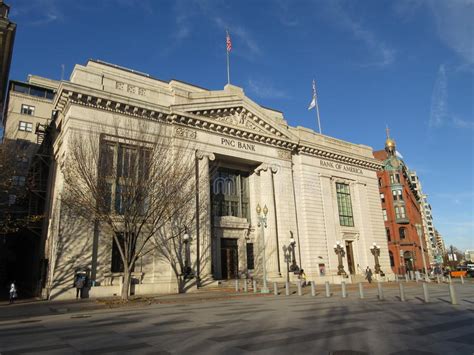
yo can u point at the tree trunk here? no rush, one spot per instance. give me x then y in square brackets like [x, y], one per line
[125, 284]
[181, 283]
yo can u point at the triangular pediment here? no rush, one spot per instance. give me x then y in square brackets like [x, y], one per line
[239, 116]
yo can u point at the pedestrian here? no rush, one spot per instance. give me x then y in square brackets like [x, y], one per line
[13, 292]
[368, 274]
[79, 284]
[302, 278]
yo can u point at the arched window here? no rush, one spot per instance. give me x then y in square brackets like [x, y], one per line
[392, 260]
[402, 232]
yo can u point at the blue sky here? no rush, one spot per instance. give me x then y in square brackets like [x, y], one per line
[408, 64]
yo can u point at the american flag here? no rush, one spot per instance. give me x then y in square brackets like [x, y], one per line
[228, 42]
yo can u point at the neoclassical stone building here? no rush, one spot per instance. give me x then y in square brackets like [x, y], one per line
[319, 189]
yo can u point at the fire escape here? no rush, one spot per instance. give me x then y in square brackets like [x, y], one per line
[38, 178]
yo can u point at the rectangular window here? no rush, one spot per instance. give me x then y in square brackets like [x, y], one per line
[397, 178]
[380, 182]
[27, 110]
[400, 212]
[116, 262]
[397, 195]
[402, 232]
[230, 193]
[121, 167]
[384, 213]
[382, 198]
[18, 180]
[344, 204]
[392, 179]
[387, 232]
[250, 257]
[25, 126]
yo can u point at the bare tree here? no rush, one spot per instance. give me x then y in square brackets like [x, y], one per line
[133, 182]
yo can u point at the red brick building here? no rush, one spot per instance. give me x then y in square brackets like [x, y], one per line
[401, 212]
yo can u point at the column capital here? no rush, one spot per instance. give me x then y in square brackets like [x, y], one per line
[201, 155]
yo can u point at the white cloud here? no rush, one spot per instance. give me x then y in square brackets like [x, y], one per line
[439, 99]
[265, 91]
[37, 12]
[439, 113]
[382, 53]
[455, 26]
[453, 20]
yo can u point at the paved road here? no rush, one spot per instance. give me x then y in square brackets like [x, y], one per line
[266, 325]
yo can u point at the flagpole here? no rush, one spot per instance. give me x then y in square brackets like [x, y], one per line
[228, 70]
[227, 50]
[317, 115]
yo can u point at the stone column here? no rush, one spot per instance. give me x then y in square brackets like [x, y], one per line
[204, 214]
[266, 198]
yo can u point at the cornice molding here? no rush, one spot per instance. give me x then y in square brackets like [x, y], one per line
[199, 120]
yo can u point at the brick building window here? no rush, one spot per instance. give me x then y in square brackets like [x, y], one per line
[344, 204]
[384, 213]
[400, 212]
[380, 182]
[392, 260]
[387, 232]
[402, 232]
[382, 198]
[27, 110]
[397, 195]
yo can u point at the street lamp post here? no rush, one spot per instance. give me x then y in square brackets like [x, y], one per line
[290, 256]
[375, 250]
[294, 267]
[419, 231]
[262, 223]
[339, 250]
[187, 241]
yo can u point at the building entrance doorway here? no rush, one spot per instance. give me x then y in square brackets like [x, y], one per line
[350, 257]
[229, 258]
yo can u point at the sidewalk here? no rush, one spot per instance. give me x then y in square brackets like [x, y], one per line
[24, 309]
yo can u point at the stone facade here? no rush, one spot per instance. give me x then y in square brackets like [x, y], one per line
[293, 171]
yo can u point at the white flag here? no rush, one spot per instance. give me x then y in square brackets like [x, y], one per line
[313, 101]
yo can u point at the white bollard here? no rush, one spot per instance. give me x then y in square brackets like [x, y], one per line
[275, 289]
[236, 285]
[246, 287]
[328, 290]
[380, 291]
[452, 294]
[407, 278]
[254, 286]
[313, 288]
[300, 290]
[402, 292]
[462, 280]
[437, 279]
[287, 288]
[361, 290]
[426, 294]
[343, 289]
[449, 278]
